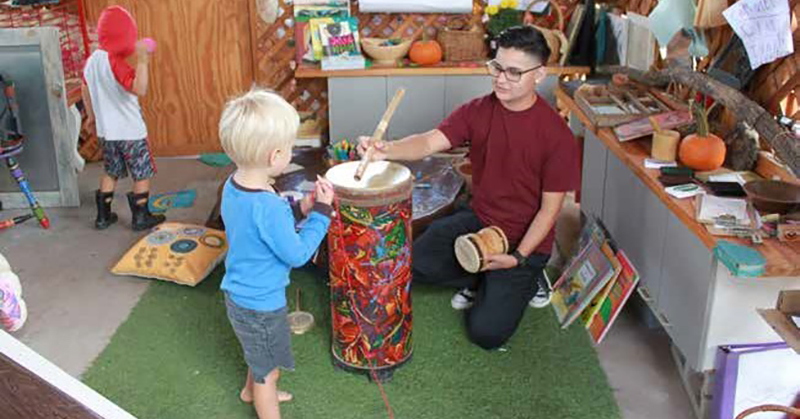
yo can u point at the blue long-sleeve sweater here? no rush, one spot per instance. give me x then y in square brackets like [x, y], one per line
[263, 245]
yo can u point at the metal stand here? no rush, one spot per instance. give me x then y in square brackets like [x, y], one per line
[8, 153]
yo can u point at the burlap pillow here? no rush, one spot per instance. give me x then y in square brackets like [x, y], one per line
[182, 253]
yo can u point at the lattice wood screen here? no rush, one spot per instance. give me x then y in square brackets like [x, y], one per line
[273, 48]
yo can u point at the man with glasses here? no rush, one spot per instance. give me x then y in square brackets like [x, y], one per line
[524, 160]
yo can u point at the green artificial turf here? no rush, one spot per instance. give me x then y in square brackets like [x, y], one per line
[177, 357]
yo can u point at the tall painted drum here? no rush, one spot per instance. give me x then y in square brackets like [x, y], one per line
[369, 245]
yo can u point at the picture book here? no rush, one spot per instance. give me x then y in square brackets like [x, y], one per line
[594, 306]
[610, 307]
[585, 276]
[338, 38]
[304, 12]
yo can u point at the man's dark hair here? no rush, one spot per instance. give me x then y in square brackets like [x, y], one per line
[526, 39]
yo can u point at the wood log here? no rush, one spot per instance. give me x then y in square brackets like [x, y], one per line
[786, 146]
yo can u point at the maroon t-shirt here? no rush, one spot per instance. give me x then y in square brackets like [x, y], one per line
[516, 156]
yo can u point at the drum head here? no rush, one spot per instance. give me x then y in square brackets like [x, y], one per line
[468, 254]
[379, 175]
[300, 322]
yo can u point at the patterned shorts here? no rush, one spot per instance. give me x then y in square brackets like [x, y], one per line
[123, 156]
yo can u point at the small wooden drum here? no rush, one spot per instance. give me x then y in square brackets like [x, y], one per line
[472, 249]
[370, 267]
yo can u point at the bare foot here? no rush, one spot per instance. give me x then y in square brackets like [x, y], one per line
[247, 396]
[284, 396]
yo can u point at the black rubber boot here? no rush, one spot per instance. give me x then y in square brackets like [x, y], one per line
[104, 215]
[141, 218]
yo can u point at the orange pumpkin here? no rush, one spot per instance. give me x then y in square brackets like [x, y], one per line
[425, 52]
[702, 151]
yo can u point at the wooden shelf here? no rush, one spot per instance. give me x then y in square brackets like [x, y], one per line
[446, 69]
[781, 257]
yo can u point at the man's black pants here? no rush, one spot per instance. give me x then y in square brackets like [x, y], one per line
[502, 295]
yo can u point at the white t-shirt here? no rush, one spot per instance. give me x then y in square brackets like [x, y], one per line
[117, 112]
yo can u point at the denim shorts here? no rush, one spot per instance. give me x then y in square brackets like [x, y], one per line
[265, 338]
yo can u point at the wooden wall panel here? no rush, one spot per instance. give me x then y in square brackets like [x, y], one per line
[204, 57]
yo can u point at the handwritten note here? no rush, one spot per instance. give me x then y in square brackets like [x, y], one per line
[764, 27]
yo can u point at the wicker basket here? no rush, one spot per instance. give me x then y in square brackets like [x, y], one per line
[553, 20]
[460, 42]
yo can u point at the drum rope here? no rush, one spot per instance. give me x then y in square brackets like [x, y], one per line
[357, 317]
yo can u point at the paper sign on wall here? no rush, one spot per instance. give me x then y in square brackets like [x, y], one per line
[764, 27]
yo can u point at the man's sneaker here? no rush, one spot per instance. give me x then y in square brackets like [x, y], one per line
[544, 292]
[541, 299]
[463, 299]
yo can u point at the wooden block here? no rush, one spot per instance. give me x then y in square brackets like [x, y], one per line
[788, 232]
[789, 302]
[783, 326]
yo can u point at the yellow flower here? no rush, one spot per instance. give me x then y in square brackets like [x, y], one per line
[491, 10]
[513, 4]
[504, 4]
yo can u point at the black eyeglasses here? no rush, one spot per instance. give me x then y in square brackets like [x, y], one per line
[512, 74]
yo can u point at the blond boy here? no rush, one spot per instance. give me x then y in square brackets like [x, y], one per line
[257, 131]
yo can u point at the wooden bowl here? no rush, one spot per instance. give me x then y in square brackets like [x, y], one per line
[773, 196]
[387, 55]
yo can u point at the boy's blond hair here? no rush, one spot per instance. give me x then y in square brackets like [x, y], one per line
[255, 124]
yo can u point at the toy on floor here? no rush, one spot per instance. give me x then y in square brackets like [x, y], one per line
[11, 144]
[13, 311]
[165, 201]
[11, 222]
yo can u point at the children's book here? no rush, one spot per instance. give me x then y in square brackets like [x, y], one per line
[582, 280]
[610, 307]
[304, 12]
[594, 306]
[337, 38]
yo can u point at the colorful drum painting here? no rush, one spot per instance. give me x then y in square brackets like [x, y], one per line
[369, 246]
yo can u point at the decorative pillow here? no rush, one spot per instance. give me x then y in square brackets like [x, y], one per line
[13, 311]
[182, 253]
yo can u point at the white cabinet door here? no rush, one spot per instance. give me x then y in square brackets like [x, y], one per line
[683, 299]
[356, 104]
[637, 220]
[459, 90]
[422, 108]
[593, 177]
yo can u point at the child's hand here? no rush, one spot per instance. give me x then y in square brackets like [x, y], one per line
[307, 203]
[141, 50]
[324, 191]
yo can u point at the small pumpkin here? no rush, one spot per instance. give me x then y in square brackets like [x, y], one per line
[702, 151]
[425, 52]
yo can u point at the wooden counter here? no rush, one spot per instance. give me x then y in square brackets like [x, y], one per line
[783, 259]
[451, 69]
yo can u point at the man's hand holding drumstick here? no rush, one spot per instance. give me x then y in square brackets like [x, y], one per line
[368, 151]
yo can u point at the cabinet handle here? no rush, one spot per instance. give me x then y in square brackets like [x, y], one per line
[664, 321]
[644, 294]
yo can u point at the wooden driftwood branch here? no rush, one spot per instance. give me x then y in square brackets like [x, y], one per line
[786, 146]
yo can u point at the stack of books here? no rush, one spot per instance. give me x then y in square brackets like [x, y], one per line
[596, 283]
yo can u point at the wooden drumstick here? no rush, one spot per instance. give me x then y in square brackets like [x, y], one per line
[380, 130]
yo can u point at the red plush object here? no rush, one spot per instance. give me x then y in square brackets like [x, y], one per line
[117, 31]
